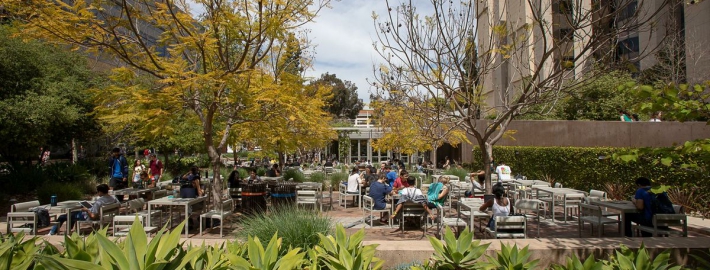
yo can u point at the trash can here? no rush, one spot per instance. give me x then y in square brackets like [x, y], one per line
[283, 194]
[253, 198]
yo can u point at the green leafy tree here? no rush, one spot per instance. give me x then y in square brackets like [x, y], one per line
[43, 97]
[344, 102]
[599, 99]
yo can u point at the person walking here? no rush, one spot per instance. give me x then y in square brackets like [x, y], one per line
[118, 166]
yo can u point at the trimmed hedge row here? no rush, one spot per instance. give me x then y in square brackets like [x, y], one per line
[590, 168]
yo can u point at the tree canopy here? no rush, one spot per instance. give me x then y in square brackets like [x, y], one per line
[214, 65]
[44, 97]
[344, 101]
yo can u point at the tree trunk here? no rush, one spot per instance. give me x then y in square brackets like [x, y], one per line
[213, 153]
[487, 152]
[74, 156]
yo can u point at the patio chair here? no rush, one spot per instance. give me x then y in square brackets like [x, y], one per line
[21, 214]
[222, 210]
[307, 197]
[508, 227]
[327, 194]
[571, 203]
[527, 207]
[592, 214]
[122, 225]
[447, 222]
[344, 195]
[412, 210]
[106, 214]
[369, 206]
[137, 207]
[662, 224]
[475, 204]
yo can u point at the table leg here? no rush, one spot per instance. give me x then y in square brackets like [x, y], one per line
[187, 222]
[552, 207]
[623, 224]
[68, 224]
[149, 211]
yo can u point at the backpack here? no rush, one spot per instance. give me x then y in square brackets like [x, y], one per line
[42, 217]
[661, 204]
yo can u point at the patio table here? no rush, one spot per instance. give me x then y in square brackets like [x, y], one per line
[474, 212]
[184, 202]
[622, 207]
[555, 192]
[64, 207]
[528, 183]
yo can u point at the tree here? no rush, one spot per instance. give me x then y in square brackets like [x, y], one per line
[344, 101]
[527, 55]
[599, 99]
[213, 65]
[44, 97]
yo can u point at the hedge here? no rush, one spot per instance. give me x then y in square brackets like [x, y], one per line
[591, 168]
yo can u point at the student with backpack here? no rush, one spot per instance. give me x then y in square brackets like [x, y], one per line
[647, 203]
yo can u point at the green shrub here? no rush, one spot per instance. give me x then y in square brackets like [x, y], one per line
[20, 179]
[337, 178]
[243, 173]
[66, 172]
[461, 173]
[260, 171]
[97, 166]
[294, 174]
[64, 191]
[298, 227]
[590, 168]
[318, 177]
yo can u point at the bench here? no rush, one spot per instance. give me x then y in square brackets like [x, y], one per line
[21, 214]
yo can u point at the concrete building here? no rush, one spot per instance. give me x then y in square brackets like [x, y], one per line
[512, 44]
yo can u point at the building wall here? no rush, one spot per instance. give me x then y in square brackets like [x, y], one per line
[597, 134]
[697, 41]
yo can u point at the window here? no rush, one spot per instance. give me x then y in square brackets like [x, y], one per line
[562, 7]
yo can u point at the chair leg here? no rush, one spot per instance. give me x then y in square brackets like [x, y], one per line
[201, 231]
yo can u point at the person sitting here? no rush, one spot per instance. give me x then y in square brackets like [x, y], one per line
[643, 201]
[190, 185]
[438, 192]
[477, 181]
[378, 192]
[354, 181]
[274, 171]
[413, 194]
[503, 172]
[87, 213]
[328, 163]
[253, 178]
[499, 204]
[401, 182]
[145, 180]
[391, 175]
[234, 180]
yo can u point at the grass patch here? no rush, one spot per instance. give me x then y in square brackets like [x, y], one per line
[298, 227]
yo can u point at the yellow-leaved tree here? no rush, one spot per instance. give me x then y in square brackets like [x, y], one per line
[213, 65]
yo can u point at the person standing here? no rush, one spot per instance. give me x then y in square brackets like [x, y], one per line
[45, 156]
[624, 116]
[656, 117]
[119, 170]
[138, 168]
[156, 169]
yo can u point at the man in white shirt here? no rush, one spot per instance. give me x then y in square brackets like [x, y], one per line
[503, 172]
[354, 181]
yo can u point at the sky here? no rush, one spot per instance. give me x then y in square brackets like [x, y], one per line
[343, 37]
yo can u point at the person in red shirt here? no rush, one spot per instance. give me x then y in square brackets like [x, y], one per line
[400, 182]
[156, 169]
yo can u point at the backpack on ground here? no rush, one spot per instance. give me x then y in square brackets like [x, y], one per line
[660, 203]
[42, 217]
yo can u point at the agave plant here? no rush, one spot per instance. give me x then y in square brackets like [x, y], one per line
[461, 253]
[685, 197]
[511, 258]
[264, 258]
[575, 263]
[617, 191]
[17, 253]
[641, 260]
[343, 252]
[135, 252]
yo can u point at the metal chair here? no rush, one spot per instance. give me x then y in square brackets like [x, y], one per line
[122, 225]
[508, 227]
[327, 194]
[224, 208]
[106, 214]
[369, 205]
[571, 202]
[663, 222]
[447, 222]
[592, 214]
[526, 206]
[343, 198]
[307, 197]
[20, 213]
